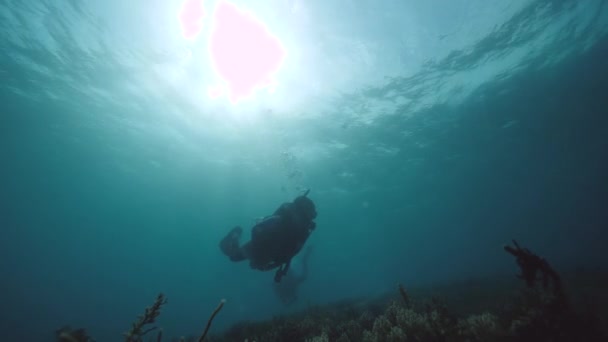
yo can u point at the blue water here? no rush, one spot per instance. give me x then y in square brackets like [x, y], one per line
[430, 134]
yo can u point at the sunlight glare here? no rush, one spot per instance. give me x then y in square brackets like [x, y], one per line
[243, 52]
[191, 18]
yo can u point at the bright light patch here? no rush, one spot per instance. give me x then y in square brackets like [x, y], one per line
[215, 92]
[191, 18]
[245, 55]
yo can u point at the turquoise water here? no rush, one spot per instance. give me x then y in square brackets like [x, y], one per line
[430, 133]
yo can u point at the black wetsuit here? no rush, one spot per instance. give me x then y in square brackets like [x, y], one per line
[276, 239]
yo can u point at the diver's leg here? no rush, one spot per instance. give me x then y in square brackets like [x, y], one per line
[230, 245]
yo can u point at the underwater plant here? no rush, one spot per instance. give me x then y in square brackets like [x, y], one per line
[140, 327]
[151, 313]
[67, 334]
[532, 265]
[215, 312]
[540, 311]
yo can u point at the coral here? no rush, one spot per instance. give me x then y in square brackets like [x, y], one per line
[344, 338]
[67, 334]
[366, 320]
[382, 327]
[349, 329]
[322, 338]
[395, 335]
[481, 328]
[414, 323]
[401, 323]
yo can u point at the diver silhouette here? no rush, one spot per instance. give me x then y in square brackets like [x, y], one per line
[287, 290]
[276, 239]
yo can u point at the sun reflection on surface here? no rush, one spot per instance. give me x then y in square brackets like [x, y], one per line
[243, 53]
[191, 18]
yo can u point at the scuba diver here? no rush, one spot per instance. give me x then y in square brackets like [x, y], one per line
[276, 239]
[287, 291]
